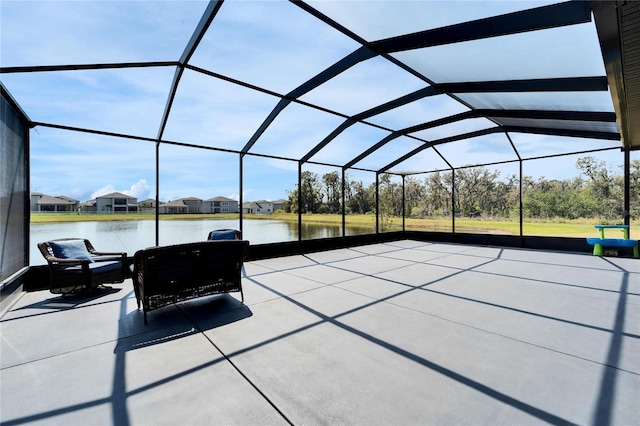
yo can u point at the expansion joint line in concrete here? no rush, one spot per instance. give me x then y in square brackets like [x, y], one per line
[275, 407]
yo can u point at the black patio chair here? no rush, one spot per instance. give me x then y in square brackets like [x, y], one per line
[76, 267]
[225, 234]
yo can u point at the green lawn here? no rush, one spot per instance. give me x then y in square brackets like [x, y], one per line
[557, 228]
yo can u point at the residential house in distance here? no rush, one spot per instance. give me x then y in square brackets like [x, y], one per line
[193, 204]
[279, 205]
[189, 205]
[250, 207]
[220, 205]
[88, 206]
[173, 207]
[262, 206]
[114, 202]
[147, 206]
[46, 203]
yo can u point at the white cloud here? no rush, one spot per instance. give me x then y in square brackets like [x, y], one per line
[140, 190]
[236, 197]
[103, 191]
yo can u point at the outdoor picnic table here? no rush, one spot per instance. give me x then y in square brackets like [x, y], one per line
[600, 243]
[625, 229]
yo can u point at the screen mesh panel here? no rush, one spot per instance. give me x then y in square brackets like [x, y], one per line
[13, 190]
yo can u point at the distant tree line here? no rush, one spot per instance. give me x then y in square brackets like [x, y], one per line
[597, 192]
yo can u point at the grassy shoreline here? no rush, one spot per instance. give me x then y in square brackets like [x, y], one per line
[558, 227]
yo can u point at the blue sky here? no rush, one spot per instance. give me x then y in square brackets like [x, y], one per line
[266, 44]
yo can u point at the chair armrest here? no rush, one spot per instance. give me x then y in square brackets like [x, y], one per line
[61, 265]
[66, 261]
[104, 257]
[108, 253]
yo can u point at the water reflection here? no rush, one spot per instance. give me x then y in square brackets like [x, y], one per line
[130, 236]
[313, 231]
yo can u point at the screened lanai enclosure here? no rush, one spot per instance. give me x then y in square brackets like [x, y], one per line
[392, 109]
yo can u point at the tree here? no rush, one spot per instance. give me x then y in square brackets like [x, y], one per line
[604, 188]
[414, 193]
[360, 199]
[390, 195]
[390, 203]
[333, 191]
[596, 193]
[436, 199]
[478, 191]
[634, 188]
[311, 194]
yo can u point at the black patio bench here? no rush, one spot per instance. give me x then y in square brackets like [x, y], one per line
[170, 274]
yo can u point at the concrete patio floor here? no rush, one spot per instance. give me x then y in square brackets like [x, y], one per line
[401, 333]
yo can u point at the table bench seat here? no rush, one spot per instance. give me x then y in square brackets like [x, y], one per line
[599, 244]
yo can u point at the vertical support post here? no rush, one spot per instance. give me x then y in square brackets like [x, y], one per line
[377, 202]
[521, 199]
[240, 197]
[299, 201]
[453, 201]
[344, 203]
[403, 203]
[27, 198]
[157, 193]
[515, 150]
[627, 188]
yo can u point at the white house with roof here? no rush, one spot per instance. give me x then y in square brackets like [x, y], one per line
[261, 207]
[116, 202]
[45, 203]
[220, 205]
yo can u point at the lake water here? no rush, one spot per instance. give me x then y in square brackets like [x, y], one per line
[132, 235]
